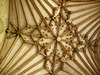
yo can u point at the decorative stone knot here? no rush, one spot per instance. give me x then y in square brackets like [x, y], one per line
[50, 25]
[69, 21]
[53, 73]
[54, 18]
[76, 50]
[80, 42]
[43, 46]
[63, 69]
[36, 42]
[62, 5]
[58, 39]
[7, 30]
[78, 34]
[63, 59]
[69, 12]
[86, 36]
[38, 27]
[60, 1]
[19, 32]
[89, 44]
[46, 57]
[69, 28]
[71, 58]
[84, 50]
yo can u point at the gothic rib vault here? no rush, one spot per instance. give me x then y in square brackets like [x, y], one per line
[53, 37]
